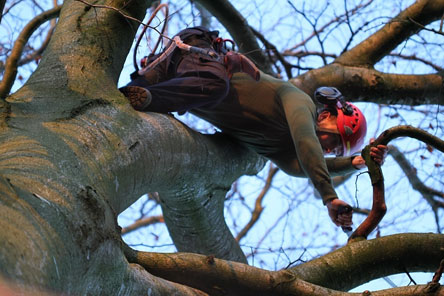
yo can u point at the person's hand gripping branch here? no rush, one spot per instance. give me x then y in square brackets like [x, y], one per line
[340, 212]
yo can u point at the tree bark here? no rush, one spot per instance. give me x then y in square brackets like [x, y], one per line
[74, 154]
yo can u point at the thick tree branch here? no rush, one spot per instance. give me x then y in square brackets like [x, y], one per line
[369, 85]
[381, 43]
[348, 267]
[74, 155]
[362, 261]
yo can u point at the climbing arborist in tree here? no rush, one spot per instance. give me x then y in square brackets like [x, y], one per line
[268, 115]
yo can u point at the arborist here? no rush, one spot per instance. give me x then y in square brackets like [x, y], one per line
[270, 116]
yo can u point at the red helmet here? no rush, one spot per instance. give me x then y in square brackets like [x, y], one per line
[351, 123]
[352, 129]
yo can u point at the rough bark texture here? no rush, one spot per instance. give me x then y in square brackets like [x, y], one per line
[74, 156]
[343, 269]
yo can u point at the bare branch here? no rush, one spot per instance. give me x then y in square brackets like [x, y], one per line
[12, 61]
[440, 32]
[377, 46]
[415, 58]
[2, 6]
[258, 204]
[417, 184]
[331, 22]
[142, 223]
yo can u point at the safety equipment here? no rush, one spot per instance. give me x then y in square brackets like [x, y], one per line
[206, 44]
[350, 122]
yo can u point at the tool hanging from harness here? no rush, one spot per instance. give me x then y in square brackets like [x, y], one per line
[196, 40]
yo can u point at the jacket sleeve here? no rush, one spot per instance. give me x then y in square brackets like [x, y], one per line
[340, 166]
[300, 112]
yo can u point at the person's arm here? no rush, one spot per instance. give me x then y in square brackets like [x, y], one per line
[340, 166]
[301, 118]
[300, 113]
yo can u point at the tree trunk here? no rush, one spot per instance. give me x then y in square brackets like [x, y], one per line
[74, 154]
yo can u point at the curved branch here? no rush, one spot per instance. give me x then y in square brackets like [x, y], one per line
[258, 205]
[412, 132]
[381, 43]
[12, 61]
[238, 27]
[379, 207]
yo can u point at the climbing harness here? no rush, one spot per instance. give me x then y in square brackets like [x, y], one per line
[218, 51]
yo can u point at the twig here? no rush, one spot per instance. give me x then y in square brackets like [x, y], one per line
[112, 8]
[424, 28]
[434, 284]
[12, 61]
[142, 223]
[438, 273]
[258, 208]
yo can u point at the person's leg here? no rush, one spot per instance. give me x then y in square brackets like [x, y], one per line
[197, 83]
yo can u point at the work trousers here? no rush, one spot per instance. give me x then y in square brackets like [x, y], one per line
[196, 82]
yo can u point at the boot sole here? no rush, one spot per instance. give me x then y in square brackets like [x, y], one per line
[139, 97]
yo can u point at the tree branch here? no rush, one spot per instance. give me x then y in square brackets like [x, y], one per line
[417, 184]
[258, 204]
[369, 85]
[142, 223]
[2, 7]
[381, 43]
[334, 21]
[11, 64]
[348, 267]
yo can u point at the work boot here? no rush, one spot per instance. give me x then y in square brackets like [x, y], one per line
[139, 97]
